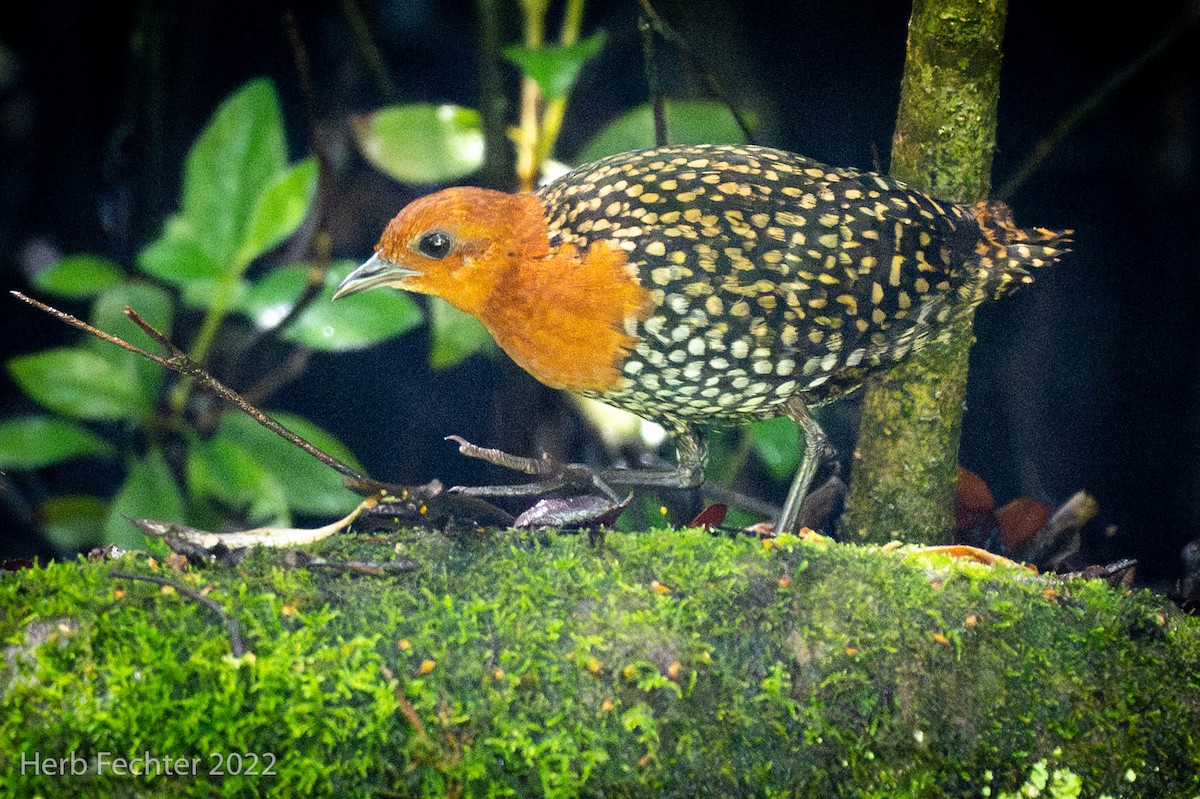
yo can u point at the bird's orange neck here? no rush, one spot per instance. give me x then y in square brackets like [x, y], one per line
[563, 317]
[561, 314]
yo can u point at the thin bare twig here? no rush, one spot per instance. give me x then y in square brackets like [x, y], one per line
[315, 278]
[368, 49]
[736, 499]
[315, 282]
[303, 71]
[528, 127]
[182, 364]
[79, 324]
[555, 108]
[237, 645]
[1059, 538]
[664, 29]
[288, 370]
[1094, 101]
[652, 83]
[299, 559]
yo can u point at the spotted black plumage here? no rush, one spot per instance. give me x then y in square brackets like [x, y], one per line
[773, 276]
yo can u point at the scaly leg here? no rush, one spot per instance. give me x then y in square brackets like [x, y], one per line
[816, 449]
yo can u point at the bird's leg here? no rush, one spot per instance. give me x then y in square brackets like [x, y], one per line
[688, 472]
[816, 449]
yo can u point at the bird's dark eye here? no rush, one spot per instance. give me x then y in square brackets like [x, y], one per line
[435, 245]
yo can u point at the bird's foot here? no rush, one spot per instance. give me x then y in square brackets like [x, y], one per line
[555, 475]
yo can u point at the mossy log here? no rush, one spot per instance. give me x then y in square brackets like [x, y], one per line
[672, 663]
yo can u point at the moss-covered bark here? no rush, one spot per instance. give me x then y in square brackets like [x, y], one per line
[667, 664]
[902, 480]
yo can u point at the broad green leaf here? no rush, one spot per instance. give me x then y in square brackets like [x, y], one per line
[30, 442]
[178, 256]
[78, 276]
[281, 208]
[200, 293]
[73, 521]
[81, 383]
[309, 486]
[688, 122]
[229, 472]
[555, 68]
[154, 305]
[421, 143]
[353, 323]
[149, 492]
[777, 442]
[456, 335]
[236, 157]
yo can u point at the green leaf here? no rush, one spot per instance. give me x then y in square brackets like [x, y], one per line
[349, 324]
[456, 335]
[688, 122]
[178, 256]
[108, 313]
[309, 486]
[74, 521]
[80, 382]
[230, 166]
[200, 293]
[555, 68]
[421, 143]
[777, 442]
[226, 470]
[31, 442]
[78, 276]
[149, 492]
[281, 208]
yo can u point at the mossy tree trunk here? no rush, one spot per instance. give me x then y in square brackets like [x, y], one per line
[903, 478]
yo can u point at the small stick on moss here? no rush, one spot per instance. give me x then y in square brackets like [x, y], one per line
[1059, 537]
[299, 559]
[259, 536]
[237, 645]
[410, 712]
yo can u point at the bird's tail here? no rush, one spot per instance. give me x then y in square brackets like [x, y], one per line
[1010, 253]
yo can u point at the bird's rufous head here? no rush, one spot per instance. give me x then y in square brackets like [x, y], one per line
[456, 244]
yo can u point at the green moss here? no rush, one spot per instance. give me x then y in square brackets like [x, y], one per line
[666, 664]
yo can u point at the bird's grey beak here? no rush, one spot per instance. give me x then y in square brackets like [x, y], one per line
[375, 272]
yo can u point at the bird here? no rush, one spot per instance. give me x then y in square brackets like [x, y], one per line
[709, 285]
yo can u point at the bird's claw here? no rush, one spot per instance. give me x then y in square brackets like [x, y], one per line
[557, 475]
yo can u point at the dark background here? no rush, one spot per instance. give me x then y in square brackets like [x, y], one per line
[1089, 379]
